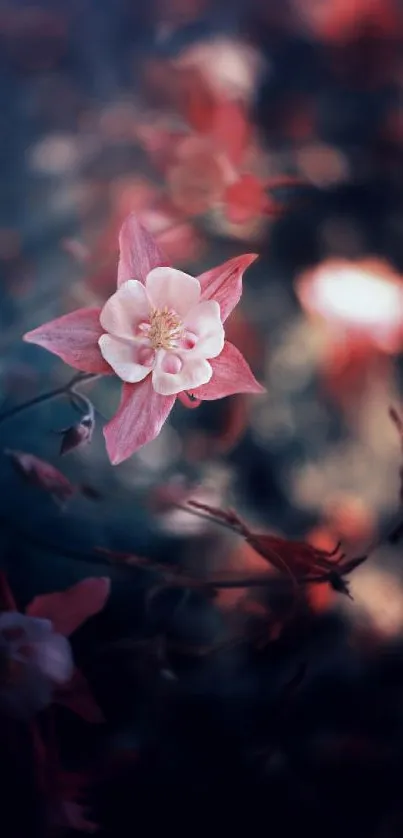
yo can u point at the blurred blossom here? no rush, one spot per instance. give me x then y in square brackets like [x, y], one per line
[274, 423]
[214, 167]
[71, 197]
[232, 67]
[179, 240]
[348, 467]
[33, 660]
[351, 520]
[162, 452]
[117, 122]
[348, 519]
[363, 298]
[341, 20]
[198, 177]
[131, 193]
[55, 154]
[323, 165]
[378, 600]
[297, 355]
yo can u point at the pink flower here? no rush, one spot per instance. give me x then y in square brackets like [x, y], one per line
[161, 333]
[199, 175]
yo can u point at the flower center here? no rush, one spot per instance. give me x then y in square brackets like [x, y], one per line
[164, 330]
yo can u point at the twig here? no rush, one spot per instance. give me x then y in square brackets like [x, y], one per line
[65, 389]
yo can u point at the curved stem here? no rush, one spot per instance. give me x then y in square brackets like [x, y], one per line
[48, 396]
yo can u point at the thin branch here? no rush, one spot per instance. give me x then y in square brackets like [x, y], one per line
[65, 389]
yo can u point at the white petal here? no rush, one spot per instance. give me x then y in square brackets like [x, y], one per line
[54, 658]
[131, 360]
[173, 289]
[193, 371]
[125, 310]
[29, 629]
[204, 323]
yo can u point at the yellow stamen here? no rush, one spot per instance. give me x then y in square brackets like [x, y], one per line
[165, 329]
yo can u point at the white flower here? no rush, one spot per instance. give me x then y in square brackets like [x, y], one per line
[162, 328]
[33, 660]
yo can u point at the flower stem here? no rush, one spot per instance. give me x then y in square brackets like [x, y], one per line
[65, 389]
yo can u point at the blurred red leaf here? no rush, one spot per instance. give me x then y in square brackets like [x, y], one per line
[297, 557]
[77, 697]
[69, 609]
[39, 473]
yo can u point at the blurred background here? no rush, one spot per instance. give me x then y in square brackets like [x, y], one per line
[229, 127]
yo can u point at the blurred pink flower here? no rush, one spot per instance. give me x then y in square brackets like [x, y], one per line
[161, 333]
[245, 199]
[198, 177]
[361, 298]
[33, 660]
[36, 662]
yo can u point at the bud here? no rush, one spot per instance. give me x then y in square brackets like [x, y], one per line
[78, 435]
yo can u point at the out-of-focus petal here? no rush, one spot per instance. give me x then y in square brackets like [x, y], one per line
[245, 199]
[77, 697]
[74, 338]
[204, 323]
[125, 358]
[139, 419]
[54, 658]
[224, 283]
[231, 374]
[139, 253]
[68, 609]
[175, 372]
[231, 130]
[125, 309]
[173, 289]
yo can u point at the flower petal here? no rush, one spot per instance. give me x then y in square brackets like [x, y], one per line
[168, 287]
[231, 374]
[77, 697]
[68, 609]
[204, 322]
[245, 199]
[193, 371]
[231, 129]
[125, 309]
[139, 253]
[55, 659]
[124, 358]
[139, 419]
[224, 283]
[74, 338]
